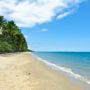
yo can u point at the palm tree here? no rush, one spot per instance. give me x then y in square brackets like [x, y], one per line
[11, 34]
[1, 23]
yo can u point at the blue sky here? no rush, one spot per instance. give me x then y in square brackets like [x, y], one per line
[67, 29]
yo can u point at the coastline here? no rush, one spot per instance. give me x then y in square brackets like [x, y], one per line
[68, 72]
[23, 71]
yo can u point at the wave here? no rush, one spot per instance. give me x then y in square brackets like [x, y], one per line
[64, 69]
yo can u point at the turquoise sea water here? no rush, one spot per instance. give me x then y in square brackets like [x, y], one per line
[77, 64]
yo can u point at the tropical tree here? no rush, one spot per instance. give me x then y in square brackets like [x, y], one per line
[11, 39]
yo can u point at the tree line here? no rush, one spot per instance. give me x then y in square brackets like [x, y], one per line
[11, 37]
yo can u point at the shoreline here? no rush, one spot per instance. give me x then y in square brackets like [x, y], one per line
[67, 71]
[74, 77]
[25, 72]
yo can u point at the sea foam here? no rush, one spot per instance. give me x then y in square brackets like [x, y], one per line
[64, 69]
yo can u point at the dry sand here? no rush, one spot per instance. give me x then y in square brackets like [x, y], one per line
[21, 71]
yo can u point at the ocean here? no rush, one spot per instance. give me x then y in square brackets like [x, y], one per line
[75, 64]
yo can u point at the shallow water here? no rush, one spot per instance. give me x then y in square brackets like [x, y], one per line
[76, 64]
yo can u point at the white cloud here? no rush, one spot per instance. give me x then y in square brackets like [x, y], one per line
[65, 14]
[28, 13]
[44, 30]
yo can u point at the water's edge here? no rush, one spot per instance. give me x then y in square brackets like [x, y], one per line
[68, 71]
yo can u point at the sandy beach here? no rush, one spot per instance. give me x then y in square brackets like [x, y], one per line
[21, 71]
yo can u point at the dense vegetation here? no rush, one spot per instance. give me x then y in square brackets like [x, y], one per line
[11, 38]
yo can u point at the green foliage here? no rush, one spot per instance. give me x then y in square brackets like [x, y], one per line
[5, 47]
[11, 38]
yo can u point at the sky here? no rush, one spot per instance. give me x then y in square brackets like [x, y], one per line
[51, 25]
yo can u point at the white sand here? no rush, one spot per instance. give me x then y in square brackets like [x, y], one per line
[22, 72]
